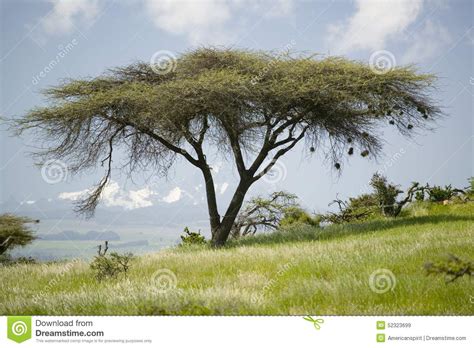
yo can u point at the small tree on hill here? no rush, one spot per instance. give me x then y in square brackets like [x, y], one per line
[263, 213]
[14, 232]
[213, 102]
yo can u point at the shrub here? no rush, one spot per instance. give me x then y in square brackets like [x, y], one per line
[452, 268]
[470, 188]
[420, 196]
[263, 214]
[383, 201]
[110, 266]
[192, 238]
[7, 260]
[347, 212]
[439, 194]
[14, 231]
[386, 194]
[297, 215]
[365, 202]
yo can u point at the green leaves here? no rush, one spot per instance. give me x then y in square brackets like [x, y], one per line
[452, 268]
[247, 103]
[14, 231]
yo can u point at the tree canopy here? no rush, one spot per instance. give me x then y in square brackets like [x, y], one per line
[14, 231]
[255, 105]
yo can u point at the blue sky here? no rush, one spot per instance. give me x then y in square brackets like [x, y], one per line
[43, 42]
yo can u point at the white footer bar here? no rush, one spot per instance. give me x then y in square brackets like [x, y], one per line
[238, 331]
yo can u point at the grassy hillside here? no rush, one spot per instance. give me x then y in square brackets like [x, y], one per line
[299, 271]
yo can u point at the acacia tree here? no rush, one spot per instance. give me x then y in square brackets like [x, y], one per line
[263, 213]
[253, 107]
[14, 232]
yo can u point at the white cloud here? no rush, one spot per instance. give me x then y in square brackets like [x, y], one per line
[140, 198]
[203, 22]
[427, 43]
[195, 19]
[373, 24]
[173, 196]
[114, 196]
[73, 196]
[200, 21]
[65, 14]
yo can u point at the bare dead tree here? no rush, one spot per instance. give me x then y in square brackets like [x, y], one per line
[101, 252]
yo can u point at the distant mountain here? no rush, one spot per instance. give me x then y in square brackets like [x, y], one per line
[132, 244]
[39, 209]
[180, 213]
[73, 235]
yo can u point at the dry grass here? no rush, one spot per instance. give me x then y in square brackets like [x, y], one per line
[299, 271]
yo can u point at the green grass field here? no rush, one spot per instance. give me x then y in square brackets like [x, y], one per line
[299, 271]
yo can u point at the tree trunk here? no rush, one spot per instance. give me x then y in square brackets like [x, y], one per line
[214, 217]
[222, 233]
[4, 245]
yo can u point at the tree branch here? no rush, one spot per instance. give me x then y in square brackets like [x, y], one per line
[155, 136]
[280, 153]
[87, 206]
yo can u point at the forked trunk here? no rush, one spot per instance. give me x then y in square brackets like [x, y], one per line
[222, 233]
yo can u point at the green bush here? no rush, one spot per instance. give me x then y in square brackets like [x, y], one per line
[420, 196]
[439, 194]
[111, 266]
[452, 268]
[382, 201]
[297, 215]
[386, 194]
[192, 238]
[365, 202]
[471, 187]
[7, 260]
[347, 212]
